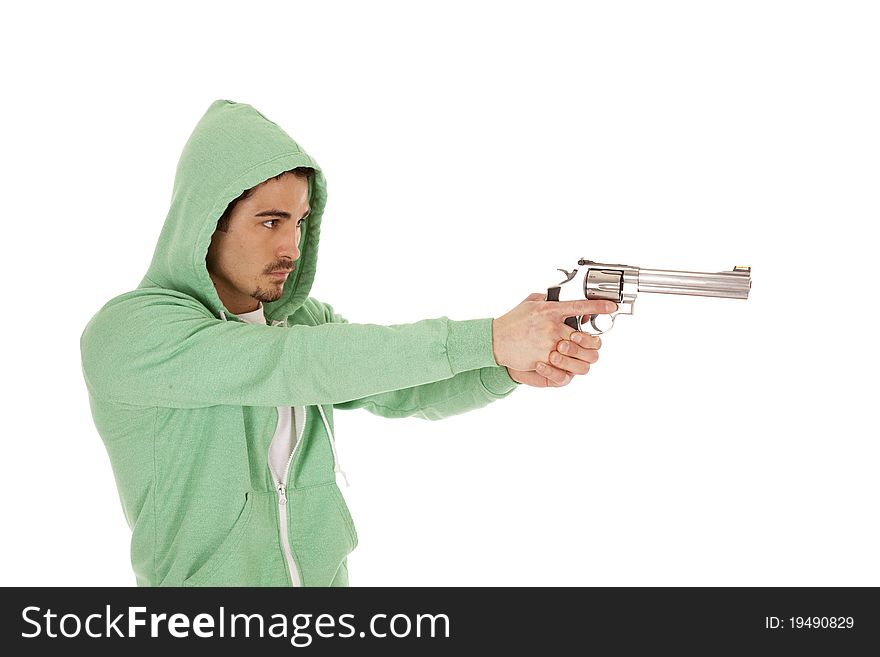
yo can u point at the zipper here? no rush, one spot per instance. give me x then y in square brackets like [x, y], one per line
[281, 489]
[285, 539]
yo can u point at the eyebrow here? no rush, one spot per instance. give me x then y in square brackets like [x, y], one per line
[280, 213]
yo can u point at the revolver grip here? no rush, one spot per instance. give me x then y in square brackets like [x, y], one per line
[553, 295]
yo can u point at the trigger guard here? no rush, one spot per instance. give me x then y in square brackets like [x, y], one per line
[598, 330]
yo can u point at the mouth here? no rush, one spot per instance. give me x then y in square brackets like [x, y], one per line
[281, 274]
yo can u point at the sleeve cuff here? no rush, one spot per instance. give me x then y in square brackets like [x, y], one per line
[497, 380]
[469, 344]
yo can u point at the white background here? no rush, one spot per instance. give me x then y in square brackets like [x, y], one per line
[471, 149]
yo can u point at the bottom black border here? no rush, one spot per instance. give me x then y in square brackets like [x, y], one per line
[699, 620]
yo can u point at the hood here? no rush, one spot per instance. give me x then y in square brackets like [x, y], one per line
[232, 148]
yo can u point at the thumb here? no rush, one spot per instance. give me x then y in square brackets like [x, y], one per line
[536, 296]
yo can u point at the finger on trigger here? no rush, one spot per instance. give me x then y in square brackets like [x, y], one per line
[585, 308]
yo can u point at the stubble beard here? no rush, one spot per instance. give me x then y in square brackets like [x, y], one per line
[268, 295]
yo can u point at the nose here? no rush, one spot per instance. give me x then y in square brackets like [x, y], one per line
[288, 246]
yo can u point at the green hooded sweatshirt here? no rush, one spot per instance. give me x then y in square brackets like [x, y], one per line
[186, 395]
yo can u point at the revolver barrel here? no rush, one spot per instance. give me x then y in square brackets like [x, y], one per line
[729, 285]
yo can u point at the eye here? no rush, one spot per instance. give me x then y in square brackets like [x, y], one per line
[277, 221]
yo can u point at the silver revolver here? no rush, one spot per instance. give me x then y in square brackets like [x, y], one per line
[622, 283]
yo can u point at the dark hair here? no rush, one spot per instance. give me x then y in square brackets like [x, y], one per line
[223, 221]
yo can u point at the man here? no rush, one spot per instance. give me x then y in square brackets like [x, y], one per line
[213, 383]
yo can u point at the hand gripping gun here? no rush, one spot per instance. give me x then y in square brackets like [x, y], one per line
[622, 283]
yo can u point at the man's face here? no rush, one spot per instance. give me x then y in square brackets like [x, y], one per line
[261, 239]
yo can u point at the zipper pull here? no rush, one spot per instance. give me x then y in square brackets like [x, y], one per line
[282, 492]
